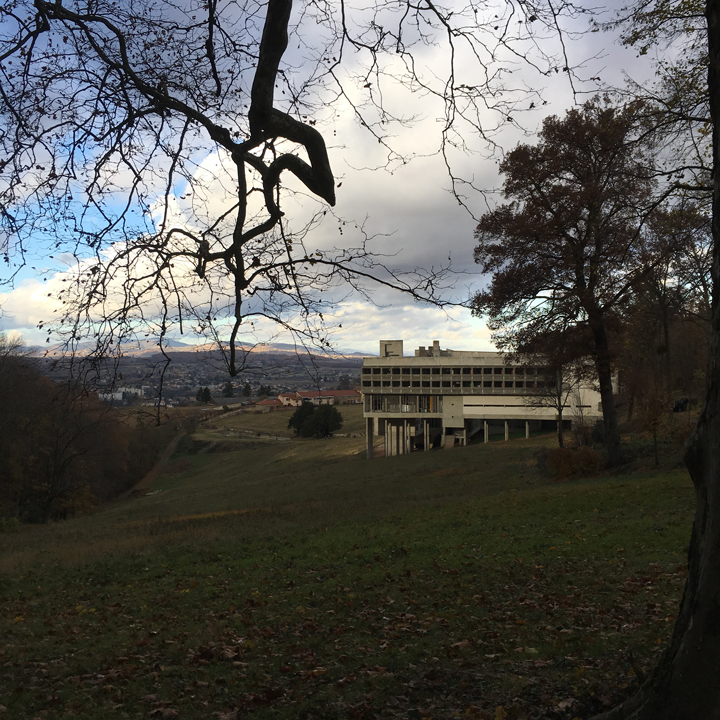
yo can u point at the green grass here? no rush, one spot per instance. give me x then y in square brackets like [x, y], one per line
[276, 423]
[439, 584]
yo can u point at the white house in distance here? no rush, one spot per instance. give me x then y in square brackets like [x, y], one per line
[443, 397]
[321, 397]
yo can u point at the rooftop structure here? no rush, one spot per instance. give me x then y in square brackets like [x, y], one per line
[443, 397]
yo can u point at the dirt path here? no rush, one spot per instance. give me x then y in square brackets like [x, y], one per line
[159, 466]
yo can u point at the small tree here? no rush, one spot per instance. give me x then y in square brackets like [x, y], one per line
[204, 395]
[228, 390]
[298, 418]
[324, 421]
[559, 363]
[247, 390]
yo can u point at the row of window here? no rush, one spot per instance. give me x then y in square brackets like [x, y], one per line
[457, 383]
[451, 371]
[404, 403]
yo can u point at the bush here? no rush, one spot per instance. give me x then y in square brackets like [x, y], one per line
[565, 462]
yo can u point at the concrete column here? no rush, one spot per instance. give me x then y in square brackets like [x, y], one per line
[527, 429]
[369, 436]
[406, 435]
[507, 431]
[487, 431]
[426, 435]
[388, 443]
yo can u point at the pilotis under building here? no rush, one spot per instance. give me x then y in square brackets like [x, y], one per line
[440, 398]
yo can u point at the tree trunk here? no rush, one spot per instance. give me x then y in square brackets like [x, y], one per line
[686, 682]
[561, 437]
[604, 372]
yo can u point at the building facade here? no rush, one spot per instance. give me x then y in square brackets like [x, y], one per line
[440, 398]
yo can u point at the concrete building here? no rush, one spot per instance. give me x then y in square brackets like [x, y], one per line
[440, 398]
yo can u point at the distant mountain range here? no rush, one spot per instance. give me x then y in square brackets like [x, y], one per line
[150, 346]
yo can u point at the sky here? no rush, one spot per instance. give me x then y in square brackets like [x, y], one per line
[408, 209]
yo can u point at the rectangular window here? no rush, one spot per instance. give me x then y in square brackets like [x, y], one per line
[406, 383]
[487, 383]
[498, 383]
[396, 371]
[519, 383]
[436, 383]
[367, 383]
[416, 383]
[446, 371]
[446, 383]
[426, 383]
[416, 371]
[487, 371]
[508, 383]
[426, 371]
[376, 383]
[367, 371]
[508, 371]
[436, 371]
[396, 383]
[466, 383]
[466, 371]
[498, 371]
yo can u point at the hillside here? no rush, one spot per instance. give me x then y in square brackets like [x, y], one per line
[284, 578]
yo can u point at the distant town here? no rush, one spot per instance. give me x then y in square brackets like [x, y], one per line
[273, 371]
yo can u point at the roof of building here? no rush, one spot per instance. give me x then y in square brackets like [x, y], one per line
[327, 393]
[269, 401]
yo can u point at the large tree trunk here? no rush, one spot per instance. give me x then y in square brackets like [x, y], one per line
[603, 368]
[686, 683]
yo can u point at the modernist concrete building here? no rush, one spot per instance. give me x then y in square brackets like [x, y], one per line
[439, 398]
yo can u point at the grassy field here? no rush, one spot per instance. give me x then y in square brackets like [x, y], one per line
[294, 579]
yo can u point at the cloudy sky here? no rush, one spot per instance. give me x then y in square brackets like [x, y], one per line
[407, 208]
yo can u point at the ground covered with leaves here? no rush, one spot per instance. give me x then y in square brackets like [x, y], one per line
[549, 603]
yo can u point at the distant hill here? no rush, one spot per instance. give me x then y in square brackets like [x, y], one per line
[150, 347]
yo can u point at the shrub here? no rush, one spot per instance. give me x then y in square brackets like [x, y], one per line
[565, 462]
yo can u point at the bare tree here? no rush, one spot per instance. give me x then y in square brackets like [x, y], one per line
[150, 145]
[558, 388]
